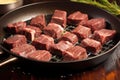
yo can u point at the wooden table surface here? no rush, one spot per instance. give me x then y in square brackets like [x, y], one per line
[108, 70]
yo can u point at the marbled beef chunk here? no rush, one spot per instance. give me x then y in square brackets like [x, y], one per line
[59, 17]
[54, 30]
[91, 45]
[61, 46]
[96, 24]
[23, 50]
[43, 42]
[16, 27]
[39, 21]
[40, 55]
[82, 32]
[68, 36]
[76, 17]
[31, 32]
[37, 30]
[104, 35]
[15, 41]
[75, 53]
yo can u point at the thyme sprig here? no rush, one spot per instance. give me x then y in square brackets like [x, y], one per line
[111, 7]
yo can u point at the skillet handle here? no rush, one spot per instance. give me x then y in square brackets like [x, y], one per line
[8, 61]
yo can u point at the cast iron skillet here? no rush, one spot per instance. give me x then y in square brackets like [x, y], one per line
[27, 12]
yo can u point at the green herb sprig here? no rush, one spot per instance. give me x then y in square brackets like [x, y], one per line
[111, 7]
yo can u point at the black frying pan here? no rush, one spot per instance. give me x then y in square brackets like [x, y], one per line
[27, 12]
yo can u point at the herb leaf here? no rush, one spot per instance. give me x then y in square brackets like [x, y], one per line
[112, 7]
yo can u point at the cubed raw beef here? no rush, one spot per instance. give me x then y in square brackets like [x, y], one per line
[39, 21]
[91, 45]
[40, 55]
[68, 36]
[75, 53]
[83, 22]
[43, 42]
[16, 27]
[104, 35]
[23, 50]
[82, 32]
[37, 30]
[54, 30]
[76, 17]
[96, 24]
[31, 32]
[15, 41]
[59, 17]
[61, 46]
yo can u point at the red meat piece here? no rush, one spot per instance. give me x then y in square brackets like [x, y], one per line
[96, 24]
[40, 55]
[15, 41]
[61, 46]
[54, 30]
[23, 50]
[104, 35]
[37, 30]
[59, 17]
[82, 32]
[76, 17]
[75, 53]
[91, 45]
[68, 36]
[16, 27]
[43, 42]
[39, 21]
[31, 32]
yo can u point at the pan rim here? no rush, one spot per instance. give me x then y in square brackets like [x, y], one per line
[90, 58]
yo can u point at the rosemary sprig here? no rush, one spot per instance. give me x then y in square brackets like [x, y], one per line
[112, 7]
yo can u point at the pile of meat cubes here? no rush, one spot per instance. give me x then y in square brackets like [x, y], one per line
[41, 41]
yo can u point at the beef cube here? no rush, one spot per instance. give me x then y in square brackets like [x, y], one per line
[76, 17]
[91, 45]
[37, 30]
[75, 53]
[59, 17]
[82, 32]
[54, 30]
[61, 46]
[43, 42]
[23, 50]
[83, 22]
[104, 35]
[31, 32]
[15, 41]
[40, 55]
[39, 21]
[96, 24]
[16, 27]
[68, 36]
